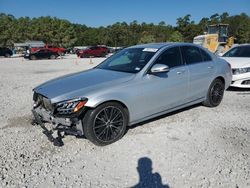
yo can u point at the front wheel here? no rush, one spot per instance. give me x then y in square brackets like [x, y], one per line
[105, 124]
[52, 57]
[103, 55]
[215, 93]
[61, 53]
[32, 57]
[7, 55]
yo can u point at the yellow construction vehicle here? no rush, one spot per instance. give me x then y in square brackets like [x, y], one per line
[215, 39]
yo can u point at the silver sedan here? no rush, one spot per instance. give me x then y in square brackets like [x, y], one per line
[136, 84]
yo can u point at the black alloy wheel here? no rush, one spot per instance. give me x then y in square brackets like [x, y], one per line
[105, 124]
[215, 93]
[108, 123]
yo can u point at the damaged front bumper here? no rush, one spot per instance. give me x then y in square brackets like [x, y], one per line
[71, 126]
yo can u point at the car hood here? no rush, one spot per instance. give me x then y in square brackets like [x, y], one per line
[238, 62]
[81, 84]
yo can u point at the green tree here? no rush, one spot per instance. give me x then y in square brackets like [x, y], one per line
[176, 36]
[146, 38]
[61, 32]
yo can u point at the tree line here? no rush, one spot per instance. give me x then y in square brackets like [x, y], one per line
[63, 33]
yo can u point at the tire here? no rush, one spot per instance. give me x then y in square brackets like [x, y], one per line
[105, 124]
[86, 55]
[7, 55]
[52, 57]
[215, 93]
[103, 55]
[33, 57]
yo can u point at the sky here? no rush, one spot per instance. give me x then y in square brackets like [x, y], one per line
[95, 13]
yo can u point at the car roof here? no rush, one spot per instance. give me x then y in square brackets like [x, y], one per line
[151, 45]
[161, 45]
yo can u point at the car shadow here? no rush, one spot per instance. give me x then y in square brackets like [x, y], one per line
[163, 116]
[146, 177]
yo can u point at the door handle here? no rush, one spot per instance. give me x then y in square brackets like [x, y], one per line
[210, 67]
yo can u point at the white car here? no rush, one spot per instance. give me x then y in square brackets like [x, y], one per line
[239, 59]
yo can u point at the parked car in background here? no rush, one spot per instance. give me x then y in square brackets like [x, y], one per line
[58, 50]
[41, 54]
[114, 50]
[6, 52]
[135, 84]
[94, 51]
[239, 58]
[76, 49]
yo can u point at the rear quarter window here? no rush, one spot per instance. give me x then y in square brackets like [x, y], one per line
[205, 55]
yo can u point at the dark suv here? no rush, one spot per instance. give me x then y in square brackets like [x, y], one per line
[6, 52]
[94, 51]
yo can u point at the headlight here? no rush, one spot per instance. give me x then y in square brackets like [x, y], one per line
[241, 70]
[70, 106]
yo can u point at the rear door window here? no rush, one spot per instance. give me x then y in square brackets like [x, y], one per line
[191, 54]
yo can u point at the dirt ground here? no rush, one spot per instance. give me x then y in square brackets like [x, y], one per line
[193, 147]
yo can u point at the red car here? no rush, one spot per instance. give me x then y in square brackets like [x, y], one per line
[94, 51]
[59, 50]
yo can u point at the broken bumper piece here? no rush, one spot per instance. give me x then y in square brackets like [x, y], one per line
[71, 126]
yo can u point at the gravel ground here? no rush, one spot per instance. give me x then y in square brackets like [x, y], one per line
[194, 147]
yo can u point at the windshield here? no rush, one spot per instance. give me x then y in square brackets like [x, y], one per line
[130, 60]
[213, 30]
[243, 51]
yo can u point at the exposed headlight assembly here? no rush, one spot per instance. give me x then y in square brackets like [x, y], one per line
[70, 106]
[241, 70]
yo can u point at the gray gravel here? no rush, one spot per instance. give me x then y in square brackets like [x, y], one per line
[194, 147]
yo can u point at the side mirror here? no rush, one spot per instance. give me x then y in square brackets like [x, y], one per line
[159, 68]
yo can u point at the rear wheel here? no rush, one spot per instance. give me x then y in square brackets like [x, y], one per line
[105, 124]
[215, 93]
[7, 55]
[33, 57]
[52, 57]
[84, 56]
